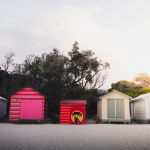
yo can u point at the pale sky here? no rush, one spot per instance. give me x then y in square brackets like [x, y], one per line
[118, 31]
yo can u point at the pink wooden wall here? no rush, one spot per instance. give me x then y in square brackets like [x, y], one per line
[26, 93]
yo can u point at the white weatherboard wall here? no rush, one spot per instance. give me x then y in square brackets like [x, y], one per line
[99, 109]
[131, 108]
[147, 107]
[139, 110]
[3, 107]
[140, 107]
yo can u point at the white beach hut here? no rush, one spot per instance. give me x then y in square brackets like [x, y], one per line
[114, 107]
[140, 108]
[3, 106]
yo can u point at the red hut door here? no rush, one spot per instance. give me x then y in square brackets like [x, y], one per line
[31, 109]
[76, 114]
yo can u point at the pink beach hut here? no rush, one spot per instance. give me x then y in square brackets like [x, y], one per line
[27, 104]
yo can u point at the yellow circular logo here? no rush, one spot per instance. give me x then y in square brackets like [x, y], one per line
[77, 116]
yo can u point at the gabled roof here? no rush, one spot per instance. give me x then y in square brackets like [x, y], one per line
[141, 97]
[1, 98]
[31, 88]
[114, 92]
[73, 101]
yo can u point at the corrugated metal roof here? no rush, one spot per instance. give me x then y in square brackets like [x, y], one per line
[140, 97]
[1, 98]
[73, 102]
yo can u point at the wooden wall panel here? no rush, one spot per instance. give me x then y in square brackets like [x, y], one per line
[64, 114]
[14, 104]
[99, 109]
[3, 107]
[139, 107]
[131, 108]
[25, 93]
[14, 117]
[14, 108]
[84, 114]
[15, 100]
[43, 103]
[14, 112]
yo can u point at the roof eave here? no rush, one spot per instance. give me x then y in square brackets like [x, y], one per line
[133, 100]
[113, 92]
[3, 99]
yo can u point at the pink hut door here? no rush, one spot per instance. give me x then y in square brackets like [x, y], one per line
[31, 109]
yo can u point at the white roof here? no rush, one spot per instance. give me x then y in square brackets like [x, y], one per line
[117, 92]
[1, 98]
[140, 97]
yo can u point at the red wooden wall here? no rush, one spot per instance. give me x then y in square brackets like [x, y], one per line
[78, 107]
[69, 106]
[64, 114]
[26, 93]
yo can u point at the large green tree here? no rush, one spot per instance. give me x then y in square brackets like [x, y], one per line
[123, 84]
[4, 71]
[85, 70]
[55, 77]
[75, 76]
[129, 88]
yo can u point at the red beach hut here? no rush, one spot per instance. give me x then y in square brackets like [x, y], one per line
[27, 104]
[73, 111]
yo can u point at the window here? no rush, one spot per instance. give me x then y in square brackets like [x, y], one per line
[115, 108]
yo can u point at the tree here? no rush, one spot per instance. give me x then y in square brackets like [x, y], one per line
[55, 79]
[143, 79]
[123, 84]
[129, 88]
[22, 73]
[134, 93]
[85, 70]
[4, 73]
[76, 76]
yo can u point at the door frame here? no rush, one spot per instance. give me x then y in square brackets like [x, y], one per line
[115, 106]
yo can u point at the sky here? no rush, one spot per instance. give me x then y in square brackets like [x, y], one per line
[117, 31]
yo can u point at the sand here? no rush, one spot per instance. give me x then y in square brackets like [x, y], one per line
[74, 137]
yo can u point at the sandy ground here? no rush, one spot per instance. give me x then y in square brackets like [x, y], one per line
[74, 137]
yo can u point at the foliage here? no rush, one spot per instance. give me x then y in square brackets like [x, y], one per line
[86, 70]
[4, 73]
[76, 76]
[90, 114]
[55, 119]
[143, 79]
[54, 75]
[123, 84]
[134, 93]
[129, 88]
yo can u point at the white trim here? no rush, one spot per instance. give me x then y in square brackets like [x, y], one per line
[133, 100]
[143, 96]
[1, 98]
[115, 105]
[113, 92]
[145, 110]
[115, 108]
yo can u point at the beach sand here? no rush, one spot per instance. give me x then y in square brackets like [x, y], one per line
[74, 137]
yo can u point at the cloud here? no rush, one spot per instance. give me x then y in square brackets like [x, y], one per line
[144, 22]
[40, 32]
